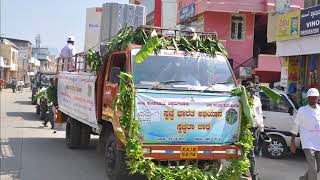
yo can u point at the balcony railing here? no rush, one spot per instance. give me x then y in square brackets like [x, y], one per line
[4, 63]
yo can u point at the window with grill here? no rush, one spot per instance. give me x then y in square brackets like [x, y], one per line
[237, 27]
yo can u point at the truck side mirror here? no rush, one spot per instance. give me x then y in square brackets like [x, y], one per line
[291, 111]
[114, 75]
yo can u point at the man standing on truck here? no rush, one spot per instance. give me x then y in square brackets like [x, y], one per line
[257, 126]
[67, 54]
[307, 124]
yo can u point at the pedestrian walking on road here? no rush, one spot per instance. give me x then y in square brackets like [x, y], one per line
[14, 84]
[52, 98]
[34, 88]
[307, 124]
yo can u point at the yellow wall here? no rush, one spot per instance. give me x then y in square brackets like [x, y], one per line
[9, 53]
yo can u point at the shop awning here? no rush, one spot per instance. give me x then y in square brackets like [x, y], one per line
[269, 68]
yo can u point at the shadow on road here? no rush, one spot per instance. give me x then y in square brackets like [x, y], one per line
[39, 158]
[23, 127]
[23, 102]
[10, 159]
[50, 159]
[30, 116]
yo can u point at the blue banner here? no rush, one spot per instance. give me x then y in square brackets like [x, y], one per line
[168, 118]
[310, 21]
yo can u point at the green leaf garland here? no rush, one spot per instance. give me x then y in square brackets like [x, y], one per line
[134, 151]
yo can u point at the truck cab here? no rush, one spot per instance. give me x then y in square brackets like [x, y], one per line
[182, 102]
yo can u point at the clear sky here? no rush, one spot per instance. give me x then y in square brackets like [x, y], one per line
[54, 20]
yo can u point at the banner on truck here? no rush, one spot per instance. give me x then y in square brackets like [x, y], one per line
[76, 96]
[168, 118]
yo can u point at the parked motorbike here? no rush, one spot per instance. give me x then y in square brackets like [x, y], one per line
[261, 139]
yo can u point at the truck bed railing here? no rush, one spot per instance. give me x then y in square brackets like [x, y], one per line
[177, 33]
[76, 63]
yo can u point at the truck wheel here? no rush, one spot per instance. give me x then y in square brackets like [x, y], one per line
[116, 168]
[85, 135]
[277, 149]
[73, 129]
[38, 109]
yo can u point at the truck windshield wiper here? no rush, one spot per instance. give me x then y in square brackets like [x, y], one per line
[212, 85]
[166, 82]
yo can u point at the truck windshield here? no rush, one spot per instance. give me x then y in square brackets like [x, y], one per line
[183, 71]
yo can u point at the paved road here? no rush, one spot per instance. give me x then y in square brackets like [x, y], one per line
[31, 152]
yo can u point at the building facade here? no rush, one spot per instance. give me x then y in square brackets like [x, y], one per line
[47, 61]
[240, 24]
[310, 3]
[9, 61]
[301, 53]
[161, 13]
[24, 57]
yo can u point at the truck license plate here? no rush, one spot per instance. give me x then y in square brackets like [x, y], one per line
[189, 152]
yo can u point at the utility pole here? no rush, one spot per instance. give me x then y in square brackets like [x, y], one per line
[0, 18]
[38, 41]
[38, 45]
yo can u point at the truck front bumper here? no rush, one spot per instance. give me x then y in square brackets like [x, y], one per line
[182, 152]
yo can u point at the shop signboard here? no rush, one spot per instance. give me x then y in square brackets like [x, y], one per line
[284, 72]
[288, 26]
[245, 72]
[23, 53]
[282, 6]
[284, 76]
[310, 21]
[293, 74]
[187, 12]
[197, 24]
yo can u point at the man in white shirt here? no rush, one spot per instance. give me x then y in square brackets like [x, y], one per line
[307, 124]
[67, 54]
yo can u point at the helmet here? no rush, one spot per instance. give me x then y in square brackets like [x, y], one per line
[70, 38]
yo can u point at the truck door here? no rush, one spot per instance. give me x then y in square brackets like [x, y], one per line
[116, 64]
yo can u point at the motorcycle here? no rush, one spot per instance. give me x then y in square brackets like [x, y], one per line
[261, 140]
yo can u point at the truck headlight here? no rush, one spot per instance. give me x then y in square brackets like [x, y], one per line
[231, 151]
[146, 151]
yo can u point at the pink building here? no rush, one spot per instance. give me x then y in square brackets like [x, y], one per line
[240, 24]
